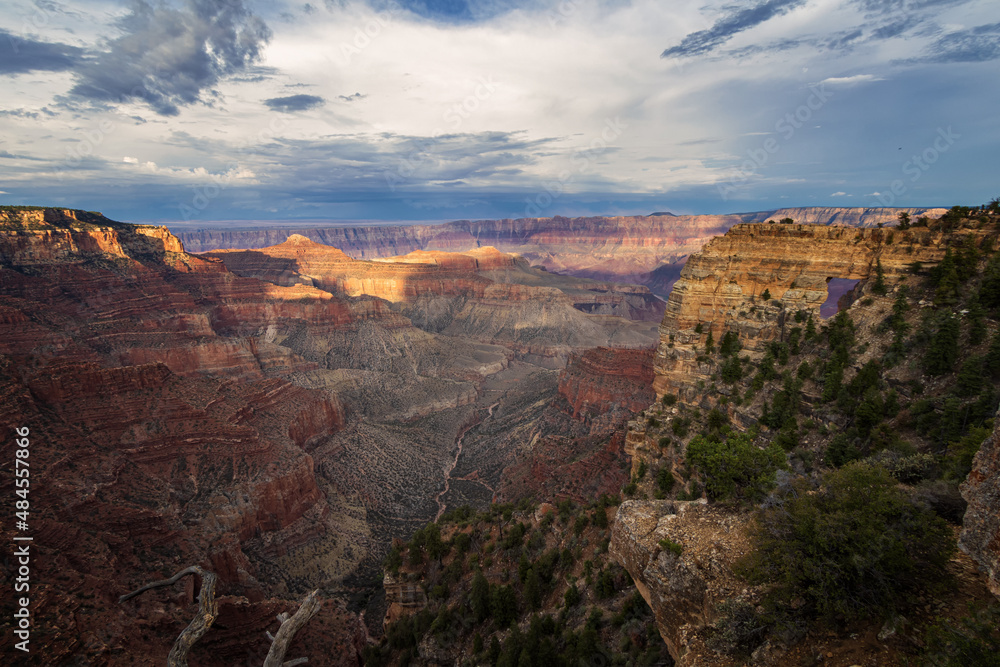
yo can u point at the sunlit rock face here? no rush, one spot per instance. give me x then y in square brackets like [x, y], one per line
[722, 287]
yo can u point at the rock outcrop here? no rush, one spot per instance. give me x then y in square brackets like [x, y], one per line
[680, 555]
[721, 287]
[981, 525]
[634, 249]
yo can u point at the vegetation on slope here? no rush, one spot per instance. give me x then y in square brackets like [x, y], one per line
[516, 586]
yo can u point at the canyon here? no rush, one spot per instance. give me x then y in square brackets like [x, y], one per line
[278, 427]
[282, 413]
[645, 250]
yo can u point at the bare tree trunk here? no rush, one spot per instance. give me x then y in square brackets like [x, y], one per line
[208, 609]
[289, 626]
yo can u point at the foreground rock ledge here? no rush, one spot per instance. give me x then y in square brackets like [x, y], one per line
[981, 526]
[685, 590]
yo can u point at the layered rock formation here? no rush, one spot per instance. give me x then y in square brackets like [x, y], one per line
[680, 555]
[603, 379]
[646, 250]
[483, 294]
[981, 525]
[721, 287]
[163, 433]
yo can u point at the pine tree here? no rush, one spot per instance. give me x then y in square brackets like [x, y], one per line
[879, 286]
[766, 294]
[942, 351]
[532, 591]
[993, 356]
[730, 344]
[989, 289]
[479, 598]
[945, 277]
[709, 343]
[810, 328]
[977, 321]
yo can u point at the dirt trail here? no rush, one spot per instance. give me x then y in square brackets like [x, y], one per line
[454, 463]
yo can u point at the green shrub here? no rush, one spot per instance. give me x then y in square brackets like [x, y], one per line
[735, 468]
[665, 480]
[856, 547]
[732, 370]
[676, 548]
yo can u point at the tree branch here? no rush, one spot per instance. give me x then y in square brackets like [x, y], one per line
[208, 609]
[289, 626]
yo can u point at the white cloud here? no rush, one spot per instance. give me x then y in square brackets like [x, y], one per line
[850, 80]
[840, 194]
[130, 160]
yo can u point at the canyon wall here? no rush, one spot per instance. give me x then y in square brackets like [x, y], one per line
[721, 287]
[646, 250]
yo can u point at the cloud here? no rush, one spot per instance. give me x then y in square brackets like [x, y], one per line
[352, 98]
[168, 57]
[11, 156]
[974, 45]
[736, 22]
[20, 54]
[840, 194]
[24, 113]
[130, 160]
[850, 80]
[294, 103]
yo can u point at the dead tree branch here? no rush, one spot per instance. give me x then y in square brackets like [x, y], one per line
[289, 626]
[208, 609]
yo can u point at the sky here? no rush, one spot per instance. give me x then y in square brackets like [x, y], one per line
[197, 111]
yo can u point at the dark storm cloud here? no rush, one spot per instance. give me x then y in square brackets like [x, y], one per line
[975, 45]
[168, 56]
[294, 103]
[20, 54]
[704, 41]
